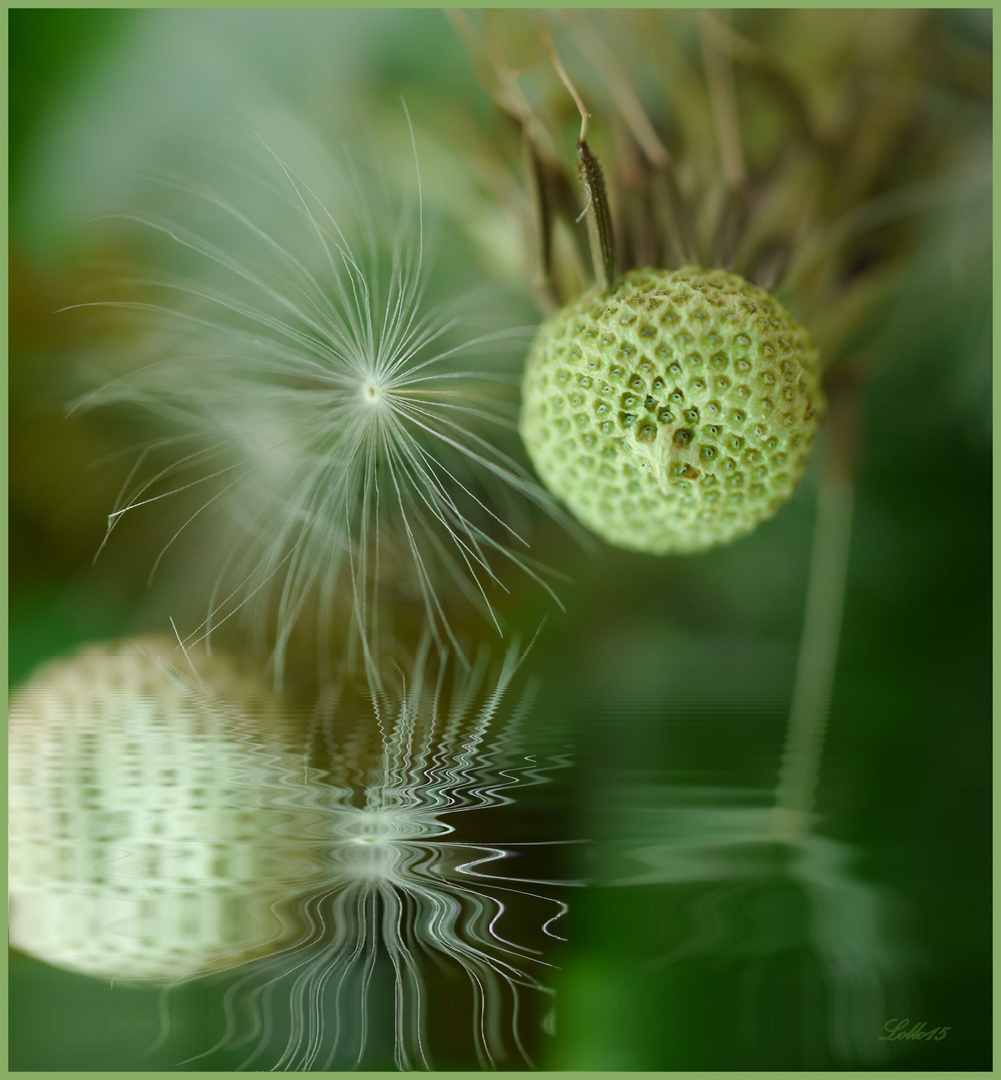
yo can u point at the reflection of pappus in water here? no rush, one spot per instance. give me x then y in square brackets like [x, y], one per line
[146, 835]
[417, 938]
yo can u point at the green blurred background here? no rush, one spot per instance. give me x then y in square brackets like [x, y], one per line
[672, 677]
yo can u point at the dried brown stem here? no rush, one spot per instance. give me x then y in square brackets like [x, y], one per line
[599, 218]
[628, 103]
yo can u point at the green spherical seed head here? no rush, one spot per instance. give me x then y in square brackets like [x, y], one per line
[674, 412]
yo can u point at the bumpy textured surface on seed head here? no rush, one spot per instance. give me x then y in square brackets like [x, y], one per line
[673, 413]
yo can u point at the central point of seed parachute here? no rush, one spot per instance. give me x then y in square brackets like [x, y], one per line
[675, 411]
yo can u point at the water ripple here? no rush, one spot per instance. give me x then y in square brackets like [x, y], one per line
[172, 818]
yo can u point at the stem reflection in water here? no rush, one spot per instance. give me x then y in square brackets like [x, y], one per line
[767, 922]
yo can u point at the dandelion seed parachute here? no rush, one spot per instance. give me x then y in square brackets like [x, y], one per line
[342, 462]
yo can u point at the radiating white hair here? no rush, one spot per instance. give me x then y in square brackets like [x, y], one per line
[316, 407]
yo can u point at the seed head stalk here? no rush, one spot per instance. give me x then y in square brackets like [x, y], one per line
[818, 651]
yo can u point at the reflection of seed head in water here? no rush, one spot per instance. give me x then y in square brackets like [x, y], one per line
[144, 837]
[162, 827]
